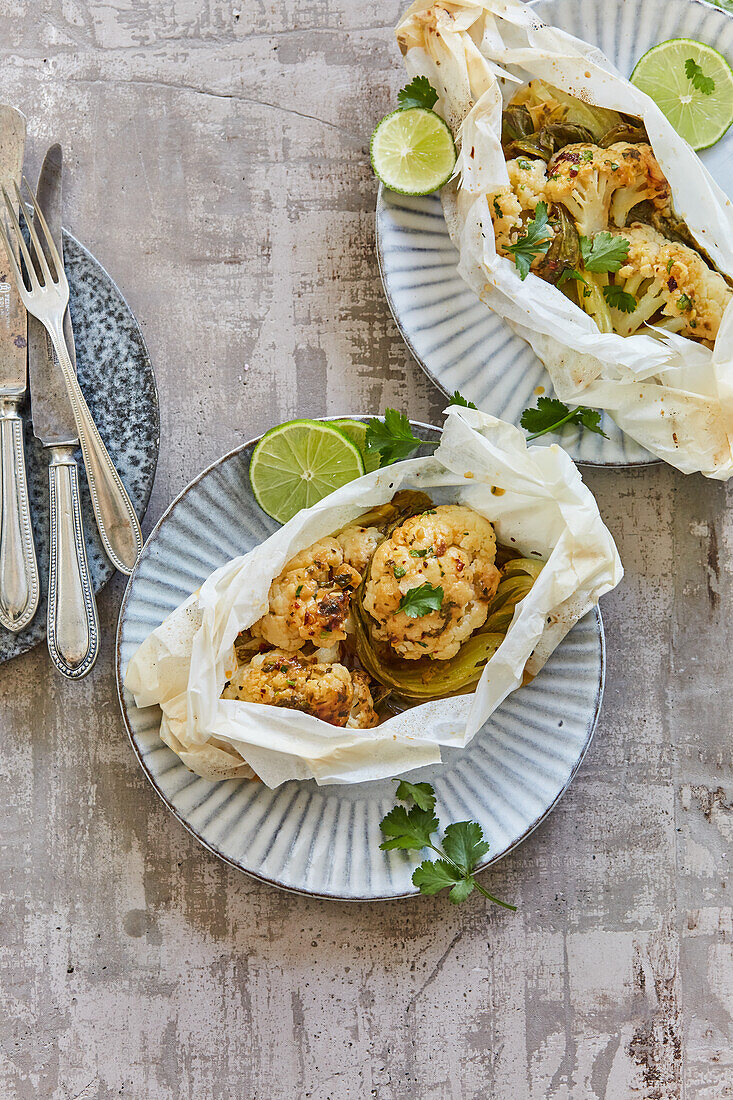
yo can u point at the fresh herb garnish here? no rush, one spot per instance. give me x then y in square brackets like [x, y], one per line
[298, 590]
[459, 399]
[550, 414]
[535, 241]
[604, 252]
[697, 78]
[399, 571]
[497, 210]
[421, 553]
[684, 303]
[392, 438]
[618, 298]
[523, 164]
[462, 847]
[587, 155]
[421, 600]
[418, 93]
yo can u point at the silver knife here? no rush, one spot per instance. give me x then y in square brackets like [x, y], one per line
[18, 568]
[72, 624]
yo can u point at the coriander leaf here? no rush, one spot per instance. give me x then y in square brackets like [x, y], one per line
[464, 844]
[421, 600]
[461, 890]
[591, 419]
[459, 399]
[430, 877]
[399, 571]
[617, 298]
[422, 794]
[604, 252]
[408, 829]
[551, 414]
[418, 93]
[697, 78]
[392, 438]
[535, 241]
[684, 302]
[548, 413]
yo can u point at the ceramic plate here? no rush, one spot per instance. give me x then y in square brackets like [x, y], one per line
[458, 341]
[117, 378]
[508, 778]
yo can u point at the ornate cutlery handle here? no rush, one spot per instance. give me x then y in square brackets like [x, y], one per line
[73, 627]
[118, 525]
[18, 568]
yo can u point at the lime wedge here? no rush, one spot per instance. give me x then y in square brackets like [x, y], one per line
[413, 151]
[356, 432]
[699, 110]
[298, 463]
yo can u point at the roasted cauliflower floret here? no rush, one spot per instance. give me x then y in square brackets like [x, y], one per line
[449, 547]
[281, 679]
[311, 599]
[358, 544]
[512, 206]
[528, 179]
[600, 186]
[668, 276]
[362, 715]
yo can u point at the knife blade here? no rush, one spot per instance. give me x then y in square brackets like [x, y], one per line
[72, 624]
[19, 588]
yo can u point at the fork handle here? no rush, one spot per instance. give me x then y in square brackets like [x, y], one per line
[18, 568]
[118, 525]
[72, 623]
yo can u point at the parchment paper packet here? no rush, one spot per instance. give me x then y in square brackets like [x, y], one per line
[544, 510]
[671, 394]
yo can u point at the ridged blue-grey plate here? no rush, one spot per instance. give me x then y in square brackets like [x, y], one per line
[325, 840]
[117, 378]
[458, 341]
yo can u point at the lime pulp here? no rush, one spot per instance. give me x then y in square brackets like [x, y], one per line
[413, 151]
[299, 463]
[700, 118]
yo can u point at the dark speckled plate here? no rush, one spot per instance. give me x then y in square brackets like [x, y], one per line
[117, 378]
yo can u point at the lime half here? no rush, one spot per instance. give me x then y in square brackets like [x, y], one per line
[356, 431]
[298, 463]
[413, 151]
[700, 117]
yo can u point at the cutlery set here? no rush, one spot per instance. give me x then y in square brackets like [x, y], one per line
[37, 339]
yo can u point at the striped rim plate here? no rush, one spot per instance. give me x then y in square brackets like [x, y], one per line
[457, 340]
[325, 841]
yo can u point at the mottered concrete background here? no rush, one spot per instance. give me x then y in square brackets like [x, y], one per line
[218, 167]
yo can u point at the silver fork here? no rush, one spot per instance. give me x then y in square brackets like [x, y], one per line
[47, 300]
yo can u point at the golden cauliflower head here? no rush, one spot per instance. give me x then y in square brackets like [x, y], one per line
[449, 547]
[327, 691]
[599, 186]
[310, 601]
[666, 275]
[511, 207]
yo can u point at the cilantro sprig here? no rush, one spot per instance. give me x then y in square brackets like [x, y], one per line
[463, 845]
[697, 78]
[535, 241]
[618, 298]
[603, 252]
[418, 93]
[421, 600]
[551, 414]
[393, 439]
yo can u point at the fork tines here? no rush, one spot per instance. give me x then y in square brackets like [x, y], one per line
[37, 266]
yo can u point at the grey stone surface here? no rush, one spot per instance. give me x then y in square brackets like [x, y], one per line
[219, 170]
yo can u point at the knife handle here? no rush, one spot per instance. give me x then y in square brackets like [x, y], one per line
[18, 569]
[72, 623]
[118, 525]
